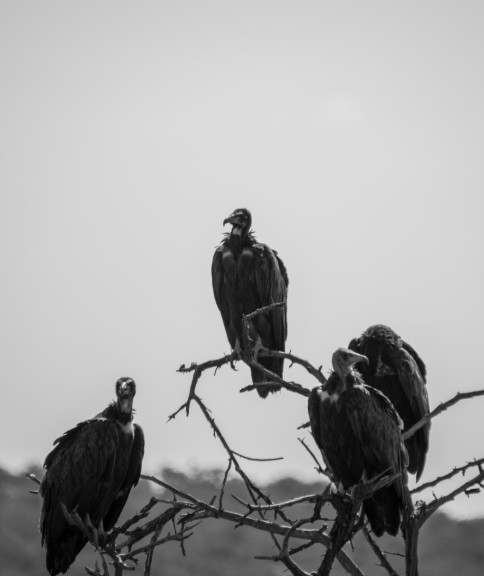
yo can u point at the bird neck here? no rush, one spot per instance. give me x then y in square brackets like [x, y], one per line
[238, 235]
[238, 241]
[345, 379]
[119, 411]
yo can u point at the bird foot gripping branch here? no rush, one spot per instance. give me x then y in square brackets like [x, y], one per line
[235, 356]
[96, 536]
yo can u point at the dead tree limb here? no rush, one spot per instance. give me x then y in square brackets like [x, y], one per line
[441, 408]
[150, 529]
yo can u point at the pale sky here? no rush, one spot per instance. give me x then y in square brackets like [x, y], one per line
[353, 131]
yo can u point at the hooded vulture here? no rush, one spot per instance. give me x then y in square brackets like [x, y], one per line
[91, 471]
[397, 370]
[246, 276]
[359, 434]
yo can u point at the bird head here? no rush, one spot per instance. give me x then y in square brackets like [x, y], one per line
[344, 360]
[125, 391]
[383, 334]
[241, 221]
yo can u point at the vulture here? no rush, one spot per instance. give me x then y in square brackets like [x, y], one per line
[397, 370]
[246, 276]
[359, 434]
[91, 471]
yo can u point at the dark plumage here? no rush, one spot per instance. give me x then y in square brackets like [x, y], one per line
[247, 275]
[397, 370]
[358, 432]
[91, 471]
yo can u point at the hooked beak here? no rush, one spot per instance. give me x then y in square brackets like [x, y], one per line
[232, 219]
[356, 358]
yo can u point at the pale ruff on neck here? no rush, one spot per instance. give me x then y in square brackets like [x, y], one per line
[127, 428]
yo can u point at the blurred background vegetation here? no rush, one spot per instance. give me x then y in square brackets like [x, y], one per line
[447, 546]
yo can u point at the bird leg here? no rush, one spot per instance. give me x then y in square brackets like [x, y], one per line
[94, 539]
[93, 534]
[73, 518]
[258, 347]
[235, 355]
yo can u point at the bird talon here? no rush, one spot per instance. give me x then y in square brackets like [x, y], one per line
[234, 357]
[257, 349]
[93, 532]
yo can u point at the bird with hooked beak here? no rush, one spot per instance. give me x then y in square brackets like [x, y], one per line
[248, 275]
[359, 434]
[89, 475]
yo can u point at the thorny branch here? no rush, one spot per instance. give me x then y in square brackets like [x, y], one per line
[148, 530]
[441, 408]
[460, 470]
[347, 521]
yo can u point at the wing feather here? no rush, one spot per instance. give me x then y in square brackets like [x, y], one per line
[377, 427]
[78, 471]
[131, 478]
[416, 357]
[413, 383]
[271, 283]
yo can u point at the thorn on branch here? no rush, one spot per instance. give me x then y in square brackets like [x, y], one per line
[34, 479]
[460, 470]
[470, 491]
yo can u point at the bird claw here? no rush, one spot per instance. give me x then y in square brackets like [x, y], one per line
[257, 349]
[93, 534]
[234, 357]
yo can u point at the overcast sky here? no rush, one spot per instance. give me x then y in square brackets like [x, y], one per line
[352, 130]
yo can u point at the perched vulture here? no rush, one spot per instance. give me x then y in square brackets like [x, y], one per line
[91, 471]
[359, 434]
[396, 369]
[247, 275]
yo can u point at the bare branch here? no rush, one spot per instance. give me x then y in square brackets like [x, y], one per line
[291, 386]
[253, 490]
[222, 489]
[198, 370]
[183, 535]
[461, 470]
[440, 408]
[318, 468]
[379, 553]
[185, 511]
[313, 498]
[161, 520]
[315, 372]
[426, 510]
[285, 556]
[258, 459]
[143, 513]
[204, 510]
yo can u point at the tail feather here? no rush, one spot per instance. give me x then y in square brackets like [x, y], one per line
[417, 447]
[383, 512]
[63, 542]
[275, 365]
[61, 554]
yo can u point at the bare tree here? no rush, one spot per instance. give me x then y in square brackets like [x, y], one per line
[183, 513]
